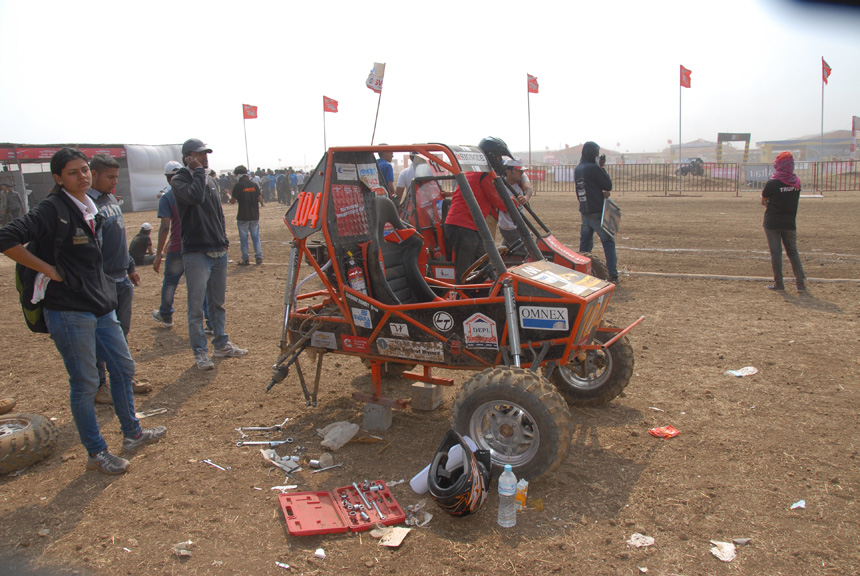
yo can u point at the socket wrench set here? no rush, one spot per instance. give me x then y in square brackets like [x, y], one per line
[354, 508]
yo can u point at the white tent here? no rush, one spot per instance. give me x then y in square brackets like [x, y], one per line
[146, 173]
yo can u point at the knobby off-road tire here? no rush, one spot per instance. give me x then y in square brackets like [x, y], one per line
[24, 440]
[518, 416]
[598, 267]
[599, 379]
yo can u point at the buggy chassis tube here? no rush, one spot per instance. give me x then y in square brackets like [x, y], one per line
[619, 333]
[289, 289]
[480, 223]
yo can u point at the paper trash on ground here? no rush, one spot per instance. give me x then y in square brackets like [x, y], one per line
[745, 371]
[725, 551]
[640, 540]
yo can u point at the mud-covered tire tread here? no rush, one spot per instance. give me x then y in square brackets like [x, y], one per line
[622, 371]
[31, 444]
[598, 267]
[530, 390]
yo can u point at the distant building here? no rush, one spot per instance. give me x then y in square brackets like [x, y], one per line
[837, 146]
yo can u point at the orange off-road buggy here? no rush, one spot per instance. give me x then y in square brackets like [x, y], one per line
[533, 332]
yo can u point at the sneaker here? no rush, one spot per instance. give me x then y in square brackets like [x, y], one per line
[229, 350]
[103, 395]
[259, 261]
[165, 322]
[801, 287]
[243, 263]
[146, 436]
[140, 387]
[203, 361]
[615, 279]
[107, 463]
[777, 287]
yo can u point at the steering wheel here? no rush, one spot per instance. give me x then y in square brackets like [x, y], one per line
[479, 269]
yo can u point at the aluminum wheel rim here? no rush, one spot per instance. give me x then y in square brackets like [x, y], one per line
[507, 430]
[12, 426]
[590, 374]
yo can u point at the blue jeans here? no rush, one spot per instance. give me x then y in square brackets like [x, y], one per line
[124, 296]
[79, 336]
[206, 279]
[590, 225]
[173, 270]
[252, 227]
[775, 241]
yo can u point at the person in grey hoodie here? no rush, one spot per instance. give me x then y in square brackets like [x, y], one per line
[593, 186]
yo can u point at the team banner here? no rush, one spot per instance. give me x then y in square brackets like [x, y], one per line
[374, 80]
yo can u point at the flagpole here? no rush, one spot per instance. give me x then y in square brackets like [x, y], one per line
[245, 129]
[680, 141]
[325, 145]
[378, 102]
[529, 106]
[821, 159]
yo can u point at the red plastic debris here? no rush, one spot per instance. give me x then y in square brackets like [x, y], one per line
[664, 432]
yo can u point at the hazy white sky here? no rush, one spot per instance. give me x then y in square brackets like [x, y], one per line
[160, 72]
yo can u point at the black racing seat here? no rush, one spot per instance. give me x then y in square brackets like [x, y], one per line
[396, 277]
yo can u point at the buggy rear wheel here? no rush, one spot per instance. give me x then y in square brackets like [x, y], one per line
[24, 440]
[516, 415]
[598, 267]
[598, 379]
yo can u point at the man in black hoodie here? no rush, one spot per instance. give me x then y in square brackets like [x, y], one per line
[593, 185]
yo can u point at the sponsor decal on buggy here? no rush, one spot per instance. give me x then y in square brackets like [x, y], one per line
[369, 175]
[324, 340]
[544, 318]
[443, 321]
[591, 318]
[443, 272]
[349, 210]
[480, 332]
[399, 329]
[356, 300]
[423, 351]
[345, 171]
[354, 343]
[530, 271]
[361, 318]
[560, 248]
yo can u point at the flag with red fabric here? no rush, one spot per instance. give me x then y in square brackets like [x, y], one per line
[533, 84]
[329, 104]
[685, 77]
[248, 111]
[825, 70]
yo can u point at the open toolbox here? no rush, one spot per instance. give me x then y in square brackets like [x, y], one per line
[341, 510]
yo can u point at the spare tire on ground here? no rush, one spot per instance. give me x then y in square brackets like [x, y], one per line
[24, 440]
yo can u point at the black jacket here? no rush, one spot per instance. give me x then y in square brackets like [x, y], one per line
[85, 286]
[591, 180]
[200, 213]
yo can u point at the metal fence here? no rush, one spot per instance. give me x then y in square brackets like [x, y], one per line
[669, 179]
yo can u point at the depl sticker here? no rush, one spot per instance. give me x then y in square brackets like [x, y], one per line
[544, 318]
[354, 343]
[324, 340]
[443, 321]
[346, 171]
[361, 318]
[480, 332]
[399, 329]
[423, 351]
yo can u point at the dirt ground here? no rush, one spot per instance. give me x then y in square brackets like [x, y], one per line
[748, 447]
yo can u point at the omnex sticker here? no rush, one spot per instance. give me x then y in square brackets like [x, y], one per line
[361, 318]
[544, 318]
[480, 332]
[345, 171]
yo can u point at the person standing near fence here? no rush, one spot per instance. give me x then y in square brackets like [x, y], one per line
[593, 186]
[780, 197]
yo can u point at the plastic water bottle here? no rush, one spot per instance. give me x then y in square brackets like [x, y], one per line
[507, 494]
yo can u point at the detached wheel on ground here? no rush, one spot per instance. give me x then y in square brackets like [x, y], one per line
[599, 378]
[24, 440]
[518, 416]
[390, 369]
[598, 267]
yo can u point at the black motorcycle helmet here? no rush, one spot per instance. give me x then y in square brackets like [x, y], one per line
[494, 148]
[463, 489]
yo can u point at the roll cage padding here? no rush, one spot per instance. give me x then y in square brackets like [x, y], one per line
[395, 278]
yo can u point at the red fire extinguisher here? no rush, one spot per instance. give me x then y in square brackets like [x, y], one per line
[355, 275]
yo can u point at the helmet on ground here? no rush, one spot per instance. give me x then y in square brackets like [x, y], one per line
[463, 489]
[494, 148]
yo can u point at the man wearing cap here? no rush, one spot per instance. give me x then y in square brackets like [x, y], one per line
[204, 253]
[140, 248]
[248, 195]
[514, 175]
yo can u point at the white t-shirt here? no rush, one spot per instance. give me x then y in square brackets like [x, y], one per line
[505, 220]
[406, 176]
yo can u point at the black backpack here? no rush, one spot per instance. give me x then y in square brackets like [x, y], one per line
[25, 278]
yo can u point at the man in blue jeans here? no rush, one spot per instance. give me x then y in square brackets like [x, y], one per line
[204, 253]
[593, 186]
[247, 194]
[117, 262]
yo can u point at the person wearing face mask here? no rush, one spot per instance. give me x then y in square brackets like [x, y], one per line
[79, 303]
[593, 187]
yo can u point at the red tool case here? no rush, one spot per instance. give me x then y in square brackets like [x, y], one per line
[310, 513]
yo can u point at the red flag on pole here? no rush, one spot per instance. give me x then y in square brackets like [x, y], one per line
[329, 104]
[248, 111]
[825, 70]
[533, 84]
[685, 77]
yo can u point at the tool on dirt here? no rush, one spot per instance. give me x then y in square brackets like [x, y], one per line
[327, 468]
[276, 428]
[378, 511]
[211, 463]
[269, 443]
[148, 413]
[361, 495]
